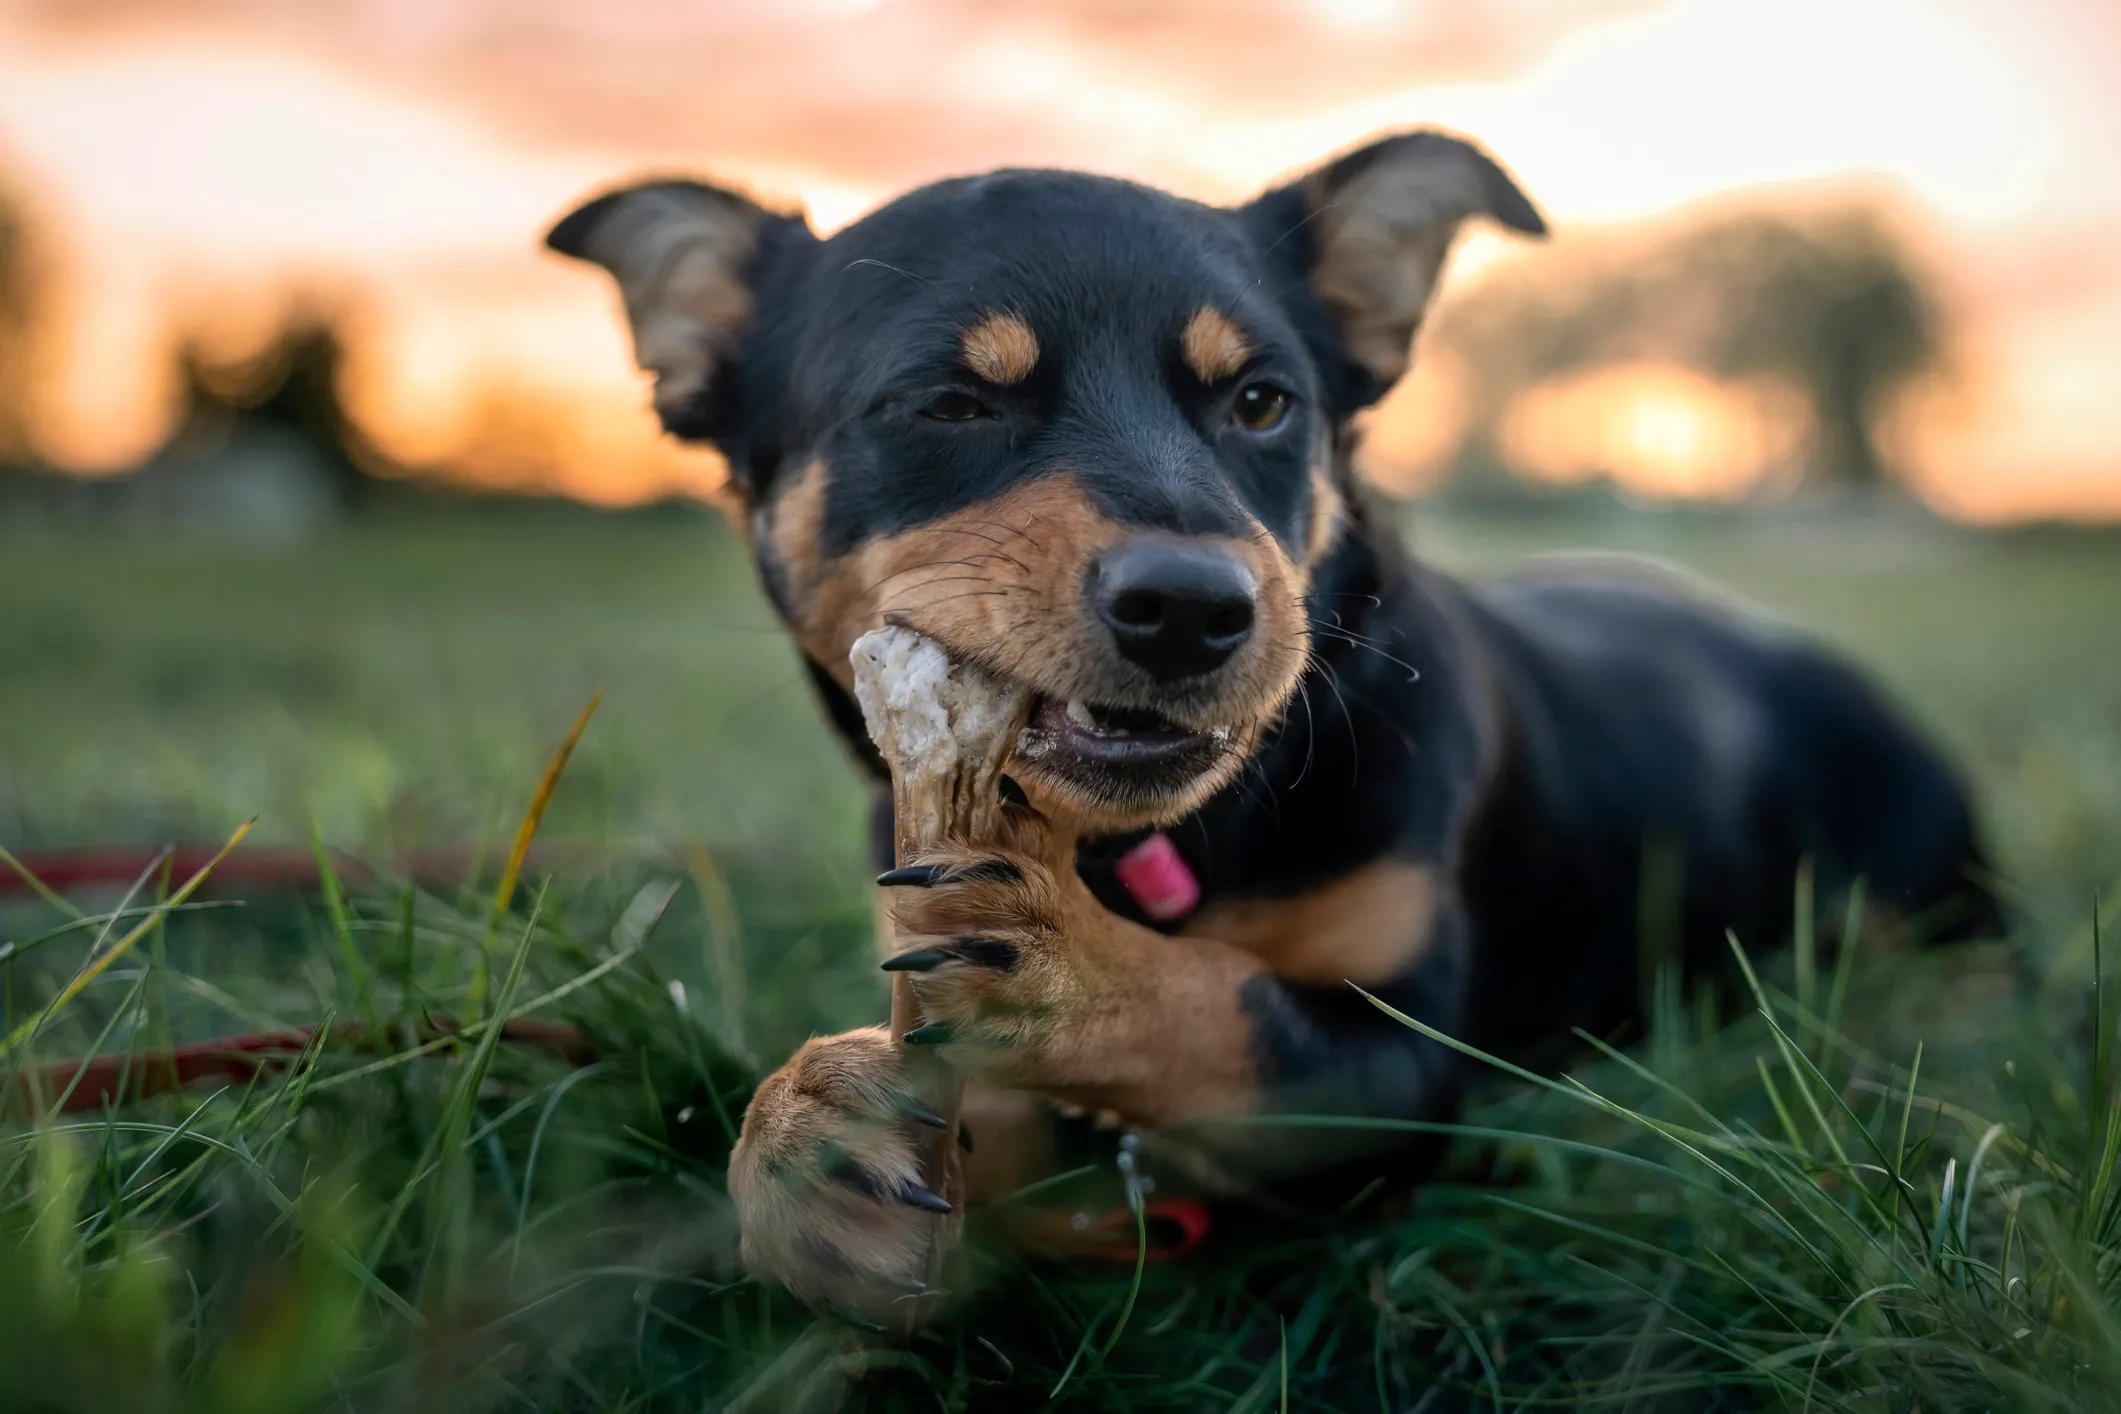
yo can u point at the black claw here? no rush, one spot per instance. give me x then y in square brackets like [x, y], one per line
[918, 960]
[989, 871]
[935, 1033]
[913, 876]
[843, 1168]
[986, 952]
[915, 1110]
[964, 1138]
[920, 1197]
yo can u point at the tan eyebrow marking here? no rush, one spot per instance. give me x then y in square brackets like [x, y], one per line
[1214, 347]
[1000, 348]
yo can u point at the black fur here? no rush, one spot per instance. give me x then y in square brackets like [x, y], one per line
[1543, 740]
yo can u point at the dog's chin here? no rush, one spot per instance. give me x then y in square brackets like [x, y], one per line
[1125, 768]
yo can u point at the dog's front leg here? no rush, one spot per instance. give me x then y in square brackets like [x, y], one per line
[1030, 983]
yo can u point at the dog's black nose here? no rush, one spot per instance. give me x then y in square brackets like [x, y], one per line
[1176, 608]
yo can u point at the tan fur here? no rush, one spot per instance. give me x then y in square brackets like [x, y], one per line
[1000, 348]
[791, 527]
[1000, 584]
[1214, 347]
[1328, 511]
[1012, 1132]
[1382, 239]
[826, 1241]
[1098, 1011]
[1365, 928]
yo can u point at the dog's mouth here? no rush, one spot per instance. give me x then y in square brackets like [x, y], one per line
[1124, 759]
[1116, 736]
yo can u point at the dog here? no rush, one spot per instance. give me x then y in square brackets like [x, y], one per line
[1097, 439]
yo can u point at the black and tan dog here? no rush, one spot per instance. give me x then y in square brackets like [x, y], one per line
[1096, 439]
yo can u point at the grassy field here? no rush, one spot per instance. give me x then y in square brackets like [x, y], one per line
[1780, 1211]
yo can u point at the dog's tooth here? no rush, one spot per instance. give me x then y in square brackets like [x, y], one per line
[1080, 714]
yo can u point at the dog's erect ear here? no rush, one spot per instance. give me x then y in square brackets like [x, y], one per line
[685, 256]
[1370, 231]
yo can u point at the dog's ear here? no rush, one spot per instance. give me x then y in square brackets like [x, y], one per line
[686, 257]
[1369, 232]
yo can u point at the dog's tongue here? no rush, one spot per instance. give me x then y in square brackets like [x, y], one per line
[1159, 880]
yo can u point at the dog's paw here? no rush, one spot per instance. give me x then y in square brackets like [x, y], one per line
[826, 1178]
[1000, 951]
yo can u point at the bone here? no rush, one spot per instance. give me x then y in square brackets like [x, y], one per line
[945, 729]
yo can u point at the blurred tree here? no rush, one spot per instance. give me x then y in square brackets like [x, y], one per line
[291, 386]
[18, 331]
[1836, 307]
[1839, 310]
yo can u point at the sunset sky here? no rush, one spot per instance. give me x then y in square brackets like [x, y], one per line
[188, 159]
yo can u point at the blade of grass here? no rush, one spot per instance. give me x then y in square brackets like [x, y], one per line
[100, 964]
[1804, 942]
[504, 894]
[359, 1270]
[357, 968]
[1285, 1366]
[530, 1164]
[478, 1031]
[447, 1232]
[1845, 959]
[1577, 1091]
[37, 886]
[1826, 1343]
[1126, 1309]
[1973, 1176]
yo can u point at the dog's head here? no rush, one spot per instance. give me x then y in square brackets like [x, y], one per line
[1081, 432]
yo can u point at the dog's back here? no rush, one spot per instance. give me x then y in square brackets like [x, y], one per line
[1674, 760]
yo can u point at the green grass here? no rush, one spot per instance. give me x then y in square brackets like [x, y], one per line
[1875, 1184]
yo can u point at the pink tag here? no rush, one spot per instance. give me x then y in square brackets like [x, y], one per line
[1159, 880]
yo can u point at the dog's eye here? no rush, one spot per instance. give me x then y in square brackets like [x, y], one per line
[1260, 407]
[955, 407]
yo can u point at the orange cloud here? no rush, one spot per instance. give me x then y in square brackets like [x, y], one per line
[890, 94]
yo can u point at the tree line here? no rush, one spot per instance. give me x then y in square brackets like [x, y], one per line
[1835, 306]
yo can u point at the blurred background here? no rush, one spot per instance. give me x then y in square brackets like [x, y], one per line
[328, 494]
[328, 497]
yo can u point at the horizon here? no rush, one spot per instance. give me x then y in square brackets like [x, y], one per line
[191, 165]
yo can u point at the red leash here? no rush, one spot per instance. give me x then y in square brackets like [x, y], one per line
[119, 866]
[139, 1075]
[1175, 1226]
